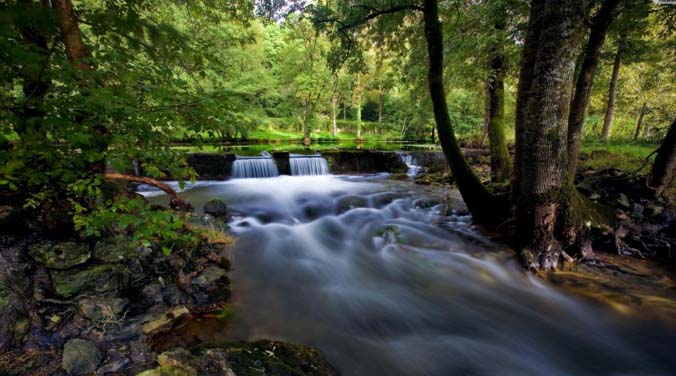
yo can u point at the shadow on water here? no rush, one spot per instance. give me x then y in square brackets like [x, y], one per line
[385, 279]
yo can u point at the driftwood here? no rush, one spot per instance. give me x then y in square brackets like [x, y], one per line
[175, 201]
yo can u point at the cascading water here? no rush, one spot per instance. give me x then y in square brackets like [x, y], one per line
[382, 279]
[254, 167]
[308, 165]
[413, 168]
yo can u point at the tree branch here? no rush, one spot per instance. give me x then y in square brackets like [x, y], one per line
[377, 13]
[175, 201]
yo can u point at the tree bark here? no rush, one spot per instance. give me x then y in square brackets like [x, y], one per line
[544, 101]
[639, 122]
[610, 110]
[306, 119]
[75, 49]
[484, 206]
[665, 163]
[501, 167]
[585, 77]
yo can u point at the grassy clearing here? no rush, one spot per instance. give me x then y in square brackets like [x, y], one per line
[625, 155]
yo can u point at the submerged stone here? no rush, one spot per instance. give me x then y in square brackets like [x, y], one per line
[62, 255]
[100, 278]
[80, 357]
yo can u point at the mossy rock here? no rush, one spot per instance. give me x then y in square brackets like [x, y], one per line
[62, 255]
[115, 249]
[100, 278]
[268, 358]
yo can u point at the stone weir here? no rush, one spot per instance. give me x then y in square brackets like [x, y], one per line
[210, 166]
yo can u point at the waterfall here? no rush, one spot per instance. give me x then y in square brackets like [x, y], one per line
[411, 163]
[254, 167]
[308, 165]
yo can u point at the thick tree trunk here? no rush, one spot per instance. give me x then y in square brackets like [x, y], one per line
[610, 110]
[501, 167]
[481, 203]
[639, 122]
[585, 78]
[75, 49]
[665, 163]
[526, 74]
[544, 101]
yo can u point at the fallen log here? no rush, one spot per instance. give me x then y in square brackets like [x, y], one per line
[175, 201]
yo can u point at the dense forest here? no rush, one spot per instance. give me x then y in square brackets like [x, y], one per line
[358, 153]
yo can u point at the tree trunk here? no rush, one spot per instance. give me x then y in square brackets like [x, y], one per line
[481, 203]
[487, 112]
[547, 70]
[75, 49]
[585, 77]
[610, 110]
[306, 120]
[639, 122]
[665, 163]
[334, 102]
[358, 116]
[501, 167]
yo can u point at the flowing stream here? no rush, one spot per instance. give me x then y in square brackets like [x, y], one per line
[384, 279]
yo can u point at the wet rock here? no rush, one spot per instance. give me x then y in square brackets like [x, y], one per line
[215, 362]
[623, 200]
[115, 362]
[80, 357]
[100, 278]
[346, 203]
[152, 293]
[115, 249]
[178, 360]
[100, 309]
[211, 286]
[216, 208]
[277, 358]
[156, 322]
[60, 255]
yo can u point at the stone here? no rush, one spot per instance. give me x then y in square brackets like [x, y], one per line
[62, 255]
[21, 328]
[164, 318]
[100, 309]
[115, 249]
[178, 360]
[100, 278]
[211, 286]
[216, 208]
[623, 200]
[80, 357]
[115, 362]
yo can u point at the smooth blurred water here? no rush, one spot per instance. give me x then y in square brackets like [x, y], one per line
[377, 276]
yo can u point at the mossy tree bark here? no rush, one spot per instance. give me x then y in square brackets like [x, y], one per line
[610, 109]
[544, 98]
[483, 205]
[501, 166]
[665, 163]
[585, 77]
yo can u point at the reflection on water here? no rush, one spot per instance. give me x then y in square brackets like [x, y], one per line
[376, 275]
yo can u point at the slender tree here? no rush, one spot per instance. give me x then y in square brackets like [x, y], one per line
[501, 165]
[610, 108]
[585, 77]
[639, 122]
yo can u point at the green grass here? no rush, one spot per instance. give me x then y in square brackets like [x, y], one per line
[627, 156]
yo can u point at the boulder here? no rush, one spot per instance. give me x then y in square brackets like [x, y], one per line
[80, 357]
[62, 255]
[216, 208]
[100, 309]
[100, 278]
[211, 286]
[115, 249]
